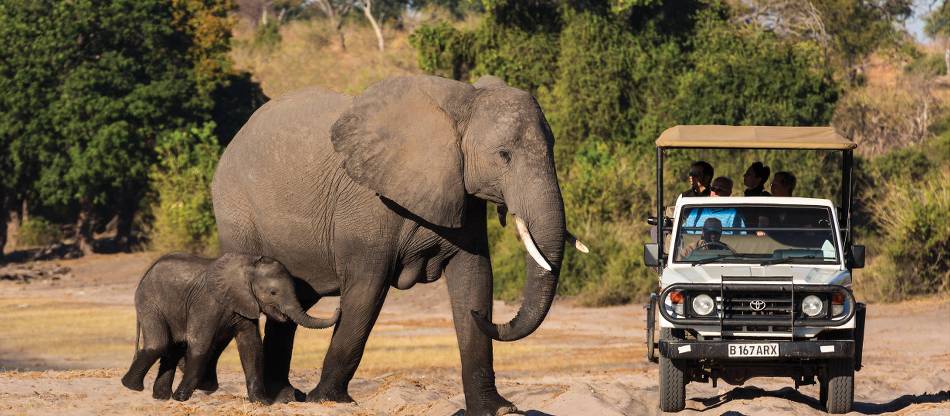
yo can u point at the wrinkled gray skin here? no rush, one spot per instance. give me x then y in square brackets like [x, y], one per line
[189, 307]
[357, 194]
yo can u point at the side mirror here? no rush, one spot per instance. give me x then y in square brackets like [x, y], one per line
[651, 255]
[857, 257]
[667, 221]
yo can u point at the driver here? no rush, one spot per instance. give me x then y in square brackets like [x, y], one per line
[709, 240]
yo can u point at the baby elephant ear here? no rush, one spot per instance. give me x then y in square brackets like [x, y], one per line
[400, 140]
[229, 280]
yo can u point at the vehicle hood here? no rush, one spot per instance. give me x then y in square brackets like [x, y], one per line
[800, 274]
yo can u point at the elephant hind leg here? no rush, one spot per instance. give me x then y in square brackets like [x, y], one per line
[162, 388]
[360, 303]
[155, 340]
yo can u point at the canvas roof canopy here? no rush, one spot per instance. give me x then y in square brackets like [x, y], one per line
[753, 137]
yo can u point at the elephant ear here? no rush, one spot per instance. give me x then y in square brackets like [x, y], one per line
[400, 140]
[229, 280]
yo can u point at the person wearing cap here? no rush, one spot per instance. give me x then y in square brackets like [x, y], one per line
[700, 175]
[709, 240]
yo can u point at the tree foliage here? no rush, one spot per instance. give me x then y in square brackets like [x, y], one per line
[184, 218]
[94, 84]
[611, 76]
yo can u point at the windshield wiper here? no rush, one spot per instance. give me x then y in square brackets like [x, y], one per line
[714, 258]
[792, 258]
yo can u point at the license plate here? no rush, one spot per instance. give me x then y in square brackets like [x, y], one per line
[753, 350]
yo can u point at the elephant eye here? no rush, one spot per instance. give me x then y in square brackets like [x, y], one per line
[505, 155]
[273, 292]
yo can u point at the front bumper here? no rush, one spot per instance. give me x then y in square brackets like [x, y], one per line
[719, 350]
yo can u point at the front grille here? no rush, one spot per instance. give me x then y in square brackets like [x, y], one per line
[746, 310]
[777, 305]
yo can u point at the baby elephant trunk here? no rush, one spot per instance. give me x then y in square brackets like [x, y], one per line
[297, 314]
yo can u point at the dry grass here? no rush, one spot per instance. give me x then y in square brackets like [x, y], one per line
[86, 335]
[309, 54]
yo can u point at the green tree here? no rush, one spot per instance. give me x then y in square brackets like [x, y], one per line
[610, 76]
[184, 219]
[100, 82]
[938, 26]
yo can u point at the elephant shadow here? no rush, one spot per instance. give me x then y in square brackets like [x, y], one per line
[788, 393]
[461, 412]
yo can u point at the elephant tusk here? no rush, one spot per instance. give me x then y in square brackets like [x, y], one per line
[529, 244]
[577, 243]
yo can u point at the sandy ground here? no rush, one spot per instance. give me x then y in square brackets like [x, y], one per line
[64, 345]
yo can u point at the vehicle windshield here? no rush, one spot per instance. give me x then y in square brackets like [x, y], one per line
[759, 234]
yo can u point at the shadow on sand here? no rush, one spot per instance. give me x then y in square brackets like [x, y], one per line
[788, 393]
[461, 412]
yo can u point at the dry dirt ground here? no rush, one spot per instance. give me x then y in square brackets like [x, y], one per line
[65, 343]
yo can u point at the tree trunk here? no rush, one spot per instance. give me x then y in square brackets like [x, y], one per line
[4, 217]
[946, 59]
[123, 232]
[84, 227]
[339, 33]
[368, 12]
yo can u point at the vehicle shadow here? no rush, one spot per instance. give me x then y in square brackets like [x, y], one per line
[788, 393]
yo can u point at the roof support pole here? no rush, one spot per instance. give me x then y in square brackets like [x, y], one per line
[847, 163]
[660, 218]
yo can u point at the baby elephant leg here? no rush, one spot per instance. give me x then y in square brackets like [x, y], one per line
[209, 380]
[197, 354]
[162, 388]
[251, 350]
[154, 344]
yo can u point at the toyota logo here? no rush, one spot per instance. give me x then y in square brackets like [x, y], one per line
[757, 305]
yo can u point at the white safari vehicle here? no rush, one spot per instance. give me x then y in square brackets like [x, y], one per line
[755, 286]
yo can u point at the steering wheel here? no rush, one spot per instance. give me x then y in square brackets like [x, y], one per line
[714, 245]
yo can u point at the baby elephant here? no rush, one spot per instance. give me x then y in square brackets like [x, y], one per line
[190, 307]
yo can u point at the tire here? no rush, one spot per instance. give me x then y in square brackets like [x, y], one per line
[837, 386]
[672, 381]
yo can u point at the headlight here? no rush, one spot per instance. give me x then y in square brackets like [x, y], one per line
[811, 305]
[703, 304]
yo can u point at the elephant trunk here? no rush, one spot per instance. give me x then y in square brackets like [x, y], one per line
[297, 314]
[540, 222]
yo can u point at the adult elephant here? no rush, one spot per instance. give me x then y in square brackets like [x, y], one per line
[357, 194]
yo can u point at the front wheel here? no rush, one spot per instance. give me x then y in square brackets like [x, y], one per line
[672, 380]
[837, 386]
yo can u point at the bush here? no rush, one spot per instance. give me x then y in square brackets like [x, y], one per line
[38, 232]
[915, 240]
[184, 218]
[443, 50]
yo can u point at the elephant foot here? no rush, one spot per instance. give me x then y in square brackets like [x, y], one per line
[208, 386]
[161, 394]
[493, 405]
[285, 393]
[258, 398]
[181, 395]
[133, 383]
[318, 395]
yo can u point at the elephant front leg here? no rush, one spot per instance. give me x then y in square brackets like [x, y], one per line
[196, 360]
[360, 304]
[278, 347]
[469, 280]
[251, 351]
